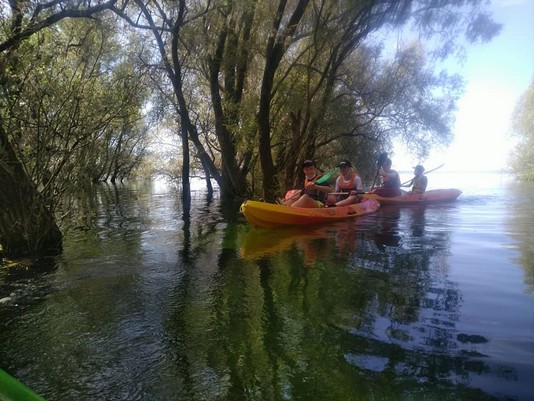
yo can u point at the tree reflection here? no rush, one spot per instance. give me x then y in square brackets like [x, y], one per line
[521, 223]
[212, 309]
[326, 313]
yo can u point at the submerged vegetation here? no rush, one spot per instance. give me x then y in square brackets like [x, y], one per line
[249, 89]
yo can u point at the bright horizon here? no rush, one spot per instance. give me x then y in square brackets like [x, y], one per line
[497, 74]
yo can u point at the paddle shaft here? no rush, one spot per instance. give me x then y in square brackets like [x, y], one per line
[381, 160]
[347, 193]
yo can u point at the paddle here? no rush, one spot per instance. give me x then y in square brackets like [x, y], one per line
[381, 160]
[426, 172]
[12, 389]
[324, 178]
[293, 193]
[348, 193]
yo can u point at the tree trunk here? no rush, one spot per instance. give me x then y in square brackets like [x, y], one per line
[27, 226]
[276, 47]
[231, 172]
[186, 164]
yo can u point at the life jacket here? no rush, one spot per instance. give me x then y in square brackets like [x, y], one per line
[347, 186]
[419, 184]
[314, 193]
[391, 182]
[315, 178]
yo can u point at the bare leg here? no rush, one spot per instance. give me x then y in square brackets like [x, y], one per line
[289, 201]
[349, 201]
[331, 199]
[305, 201]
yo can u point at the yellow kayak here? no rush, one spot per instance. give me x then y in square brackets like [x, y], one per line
[429, 197]
[262, 214]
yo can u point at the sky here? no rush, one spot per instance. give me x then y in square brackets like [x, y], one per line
[497, 74]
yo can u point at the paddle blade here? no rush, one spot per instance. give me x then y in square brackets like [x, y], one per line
[381, 159]
[323, 179]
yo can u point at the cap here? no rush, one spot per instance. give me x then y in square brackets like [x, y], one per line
[344, 163]
[419, 168]
[308, 163]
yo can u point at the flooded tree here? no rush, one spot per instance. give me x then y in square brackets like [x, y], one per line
[522, 160]
[27, 223]
[255, 87]
[287, 81]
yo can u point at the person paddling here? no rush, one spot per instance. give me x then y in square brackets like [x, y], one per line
[419, 182]
[390, 181]
[390, 177]
[313, 195]
[348, 184]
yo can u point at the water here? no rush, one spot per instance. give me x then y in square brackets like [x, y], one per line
[415, 303]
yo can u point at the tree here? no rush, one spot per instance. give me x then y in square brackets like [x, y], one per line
[316, 78]
[78, 105]
[274, 73]
[167, 22]
[522, 159]
[255, 87]
[27, 225]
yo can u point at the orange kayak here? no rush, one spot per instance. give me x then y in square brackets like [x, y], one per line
[429, 197]
[261, 214]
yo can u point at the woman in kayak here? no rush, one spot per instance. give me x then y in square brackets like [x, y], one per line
[348, 184]
[390, 177]
[313, 195]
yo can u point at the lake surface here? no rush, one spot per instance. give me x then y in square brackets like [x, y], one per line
[414, 303]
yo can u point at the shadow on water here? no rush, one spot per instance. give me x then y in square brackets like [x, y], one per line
[147, 303]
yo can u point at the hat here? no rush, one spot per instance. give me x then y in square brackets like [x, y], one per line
[308, 163]
[419, 168]
[344, 163]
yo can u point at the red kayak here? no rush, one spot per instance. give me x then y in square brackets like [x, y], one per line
[392, 196]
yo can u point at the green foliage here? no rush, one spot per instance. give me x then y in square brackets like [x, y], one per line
[320, 88]
[522, 159]
[75, 94]
[76, 117]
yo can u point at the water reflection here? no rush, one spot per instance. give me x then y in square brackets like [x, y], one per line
[387, 233]
[395, 308]
[149, 304]
[520, 226]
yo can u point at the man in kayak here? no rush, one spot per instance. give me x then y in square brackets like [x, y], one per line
[348, 184]
[313, 195]
[419, 182]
